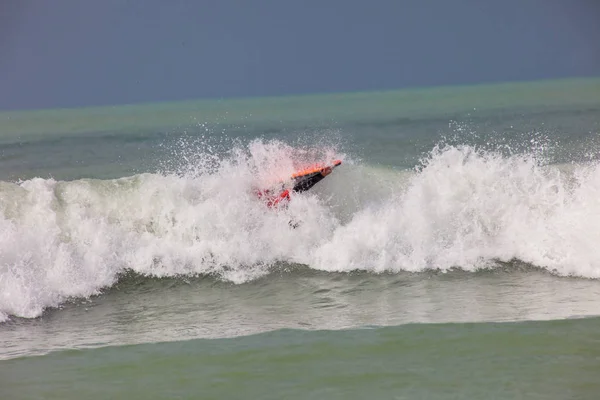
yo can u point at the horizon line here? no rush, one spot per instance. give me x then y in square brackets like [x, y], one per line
[298, 95]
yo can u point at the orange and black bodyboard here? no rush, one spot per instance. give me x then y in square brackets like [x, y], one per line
[307, 178]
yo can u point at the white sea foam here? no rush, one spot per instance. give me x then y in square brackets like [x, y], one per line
[463, 208]
[466, 208]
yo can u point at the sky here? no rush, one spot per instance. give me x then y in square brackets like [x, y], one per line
[73, 53]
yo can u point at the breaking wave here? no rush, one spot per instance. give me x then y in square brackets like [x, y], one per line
[461, 208]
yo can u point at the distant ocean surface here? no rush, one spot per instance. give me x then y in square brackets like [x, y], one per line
[454, 254]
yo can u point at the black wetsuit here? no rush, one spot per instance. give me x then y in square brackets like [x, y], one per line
[305, 182]
[302, 184]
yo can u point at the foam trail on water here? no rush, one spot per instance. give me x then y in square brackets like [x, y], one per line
[463, 208]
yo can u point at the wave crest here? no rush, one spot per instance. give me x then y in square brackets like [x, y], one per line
[462, 208]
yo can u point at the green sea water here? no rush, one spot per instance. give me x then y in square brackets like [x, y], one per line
[453, 254]
[389, 128]
[529, 360]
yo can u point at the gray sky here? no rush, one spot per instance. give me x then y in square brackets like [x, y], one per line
[67, 53]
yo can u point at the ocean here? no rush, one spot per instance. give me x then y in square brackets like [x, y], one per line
[453, 255]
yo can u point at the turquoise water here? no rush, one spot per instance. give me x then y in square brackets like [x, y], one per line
[452, 255]
[388, 128]
[545, 360]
